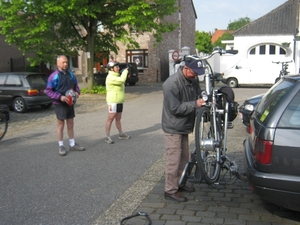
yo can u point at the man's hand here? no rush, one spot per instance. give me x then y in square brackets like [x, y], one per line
[200, 102]
[64, 99]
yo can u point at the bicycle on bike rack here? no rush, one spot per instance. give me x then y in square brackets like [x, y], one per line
[4, 118]
[209, 156]
[283, 71]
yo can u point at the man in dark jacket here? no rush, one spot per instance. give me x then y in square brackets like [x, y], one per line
[181, 99]
[59, 82]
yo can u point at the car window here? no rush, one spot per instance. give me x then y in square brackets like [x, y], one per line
[270, 100]
[2, 79]
[291, 115]
[13, 80]
[37, 80]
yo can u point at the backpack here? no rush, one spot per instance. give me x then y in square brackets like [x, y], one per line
[227, 96]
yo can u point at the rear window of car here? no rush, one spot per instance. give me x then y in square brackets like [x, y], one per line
[291, 115]
[37, 80]
[271, 99]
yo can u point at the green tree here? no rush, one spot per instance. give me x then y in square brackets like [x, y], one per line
[237, 24]
[203, 42]
[50, 28]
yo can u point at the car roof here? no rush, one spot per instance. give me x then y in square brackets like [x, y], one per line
[293, 76]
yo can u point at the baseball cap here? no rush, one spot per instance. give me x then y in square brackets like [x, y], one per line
[195, 64]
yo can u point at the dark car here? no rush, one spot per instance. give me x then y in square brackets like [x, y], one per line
[132, 77]
[247, 108]
[22, 90]
[272, 152]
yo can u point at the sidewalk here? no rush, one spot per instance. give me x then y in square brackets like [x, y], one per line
[226, 204]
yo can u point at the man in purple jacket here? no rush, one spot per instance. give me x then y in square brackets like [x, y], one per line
[59, 82]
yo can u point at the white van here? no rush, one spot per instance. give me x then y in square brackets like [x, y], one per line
[256, 72]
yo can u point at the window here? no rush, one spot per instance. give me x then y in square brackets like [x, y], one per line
[272, 49]
[262, 50]
[282, 51]
[73, 61]
[267, 49]
[270, 100]
[140, 57]
[252, 51]
[13, 80]
[37, 80]
[291, 116]
[2, 79]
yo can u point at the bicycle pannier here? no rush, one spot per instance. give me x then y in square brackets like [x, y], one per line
[228, 96]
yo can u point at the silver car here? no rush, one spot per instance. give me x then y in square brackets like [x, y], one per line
[272, 149]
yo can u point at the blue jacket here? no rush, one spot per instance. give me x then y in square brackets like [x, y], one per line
[58, 83]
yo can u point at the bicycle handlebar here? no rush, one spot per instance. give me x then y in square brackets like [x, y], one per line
[220, 51]
[217, 50]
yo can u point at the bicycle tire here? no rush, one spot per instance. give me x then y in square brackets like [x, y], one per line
[207, 152]
[3, 126]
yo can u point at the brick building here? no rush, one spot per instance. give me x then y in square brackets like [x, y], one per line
[155, 61]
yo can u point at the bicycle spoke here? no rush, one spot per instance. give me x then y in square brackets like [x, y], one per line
[207, 154]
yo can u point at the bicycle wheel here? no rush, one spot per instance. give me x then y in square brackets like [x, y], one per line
[207, 149]
[3, 125]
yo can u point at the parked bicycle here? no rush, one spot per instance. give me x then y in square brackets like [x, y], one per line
[283, 71]
[212, 123]
[4, 118]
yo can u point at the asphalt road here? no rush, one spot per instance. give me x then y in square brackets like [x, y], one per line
[38, 186]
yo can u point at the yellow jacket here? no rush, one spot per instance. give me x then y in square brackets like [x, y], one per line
[115, 86]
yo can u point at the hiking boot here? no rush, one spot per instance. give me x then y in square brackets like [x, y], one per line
[124, 137]
[62, 151]
[108, 140]
[77, 147]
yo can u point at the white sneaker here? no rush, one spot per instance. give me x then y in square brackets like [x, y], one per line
[108, 140]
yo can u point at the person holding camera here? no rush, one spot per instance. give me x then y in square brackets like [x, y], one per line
[115, 97]
[181, 93]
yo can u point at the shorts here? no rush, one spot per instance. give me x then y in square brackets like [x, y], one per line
[115, 107]
[64, 111]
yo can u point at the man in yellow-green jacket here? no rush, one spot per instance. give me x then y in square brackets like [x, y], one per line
[115, 97]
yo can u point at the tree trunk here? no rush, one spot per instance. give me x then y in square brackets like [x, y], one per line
[90, 58]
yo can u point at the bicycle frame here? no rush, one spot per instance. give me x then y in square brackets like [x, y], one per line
[211, 129]
[218, 143]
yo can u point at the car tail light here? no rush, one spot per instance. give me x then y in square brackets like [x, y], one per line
[263, 151]
[249, 130]
[32, 92]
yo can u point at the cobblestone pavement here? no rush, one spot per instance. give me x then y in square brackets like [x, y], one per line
[224, 204]
[233, 204]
